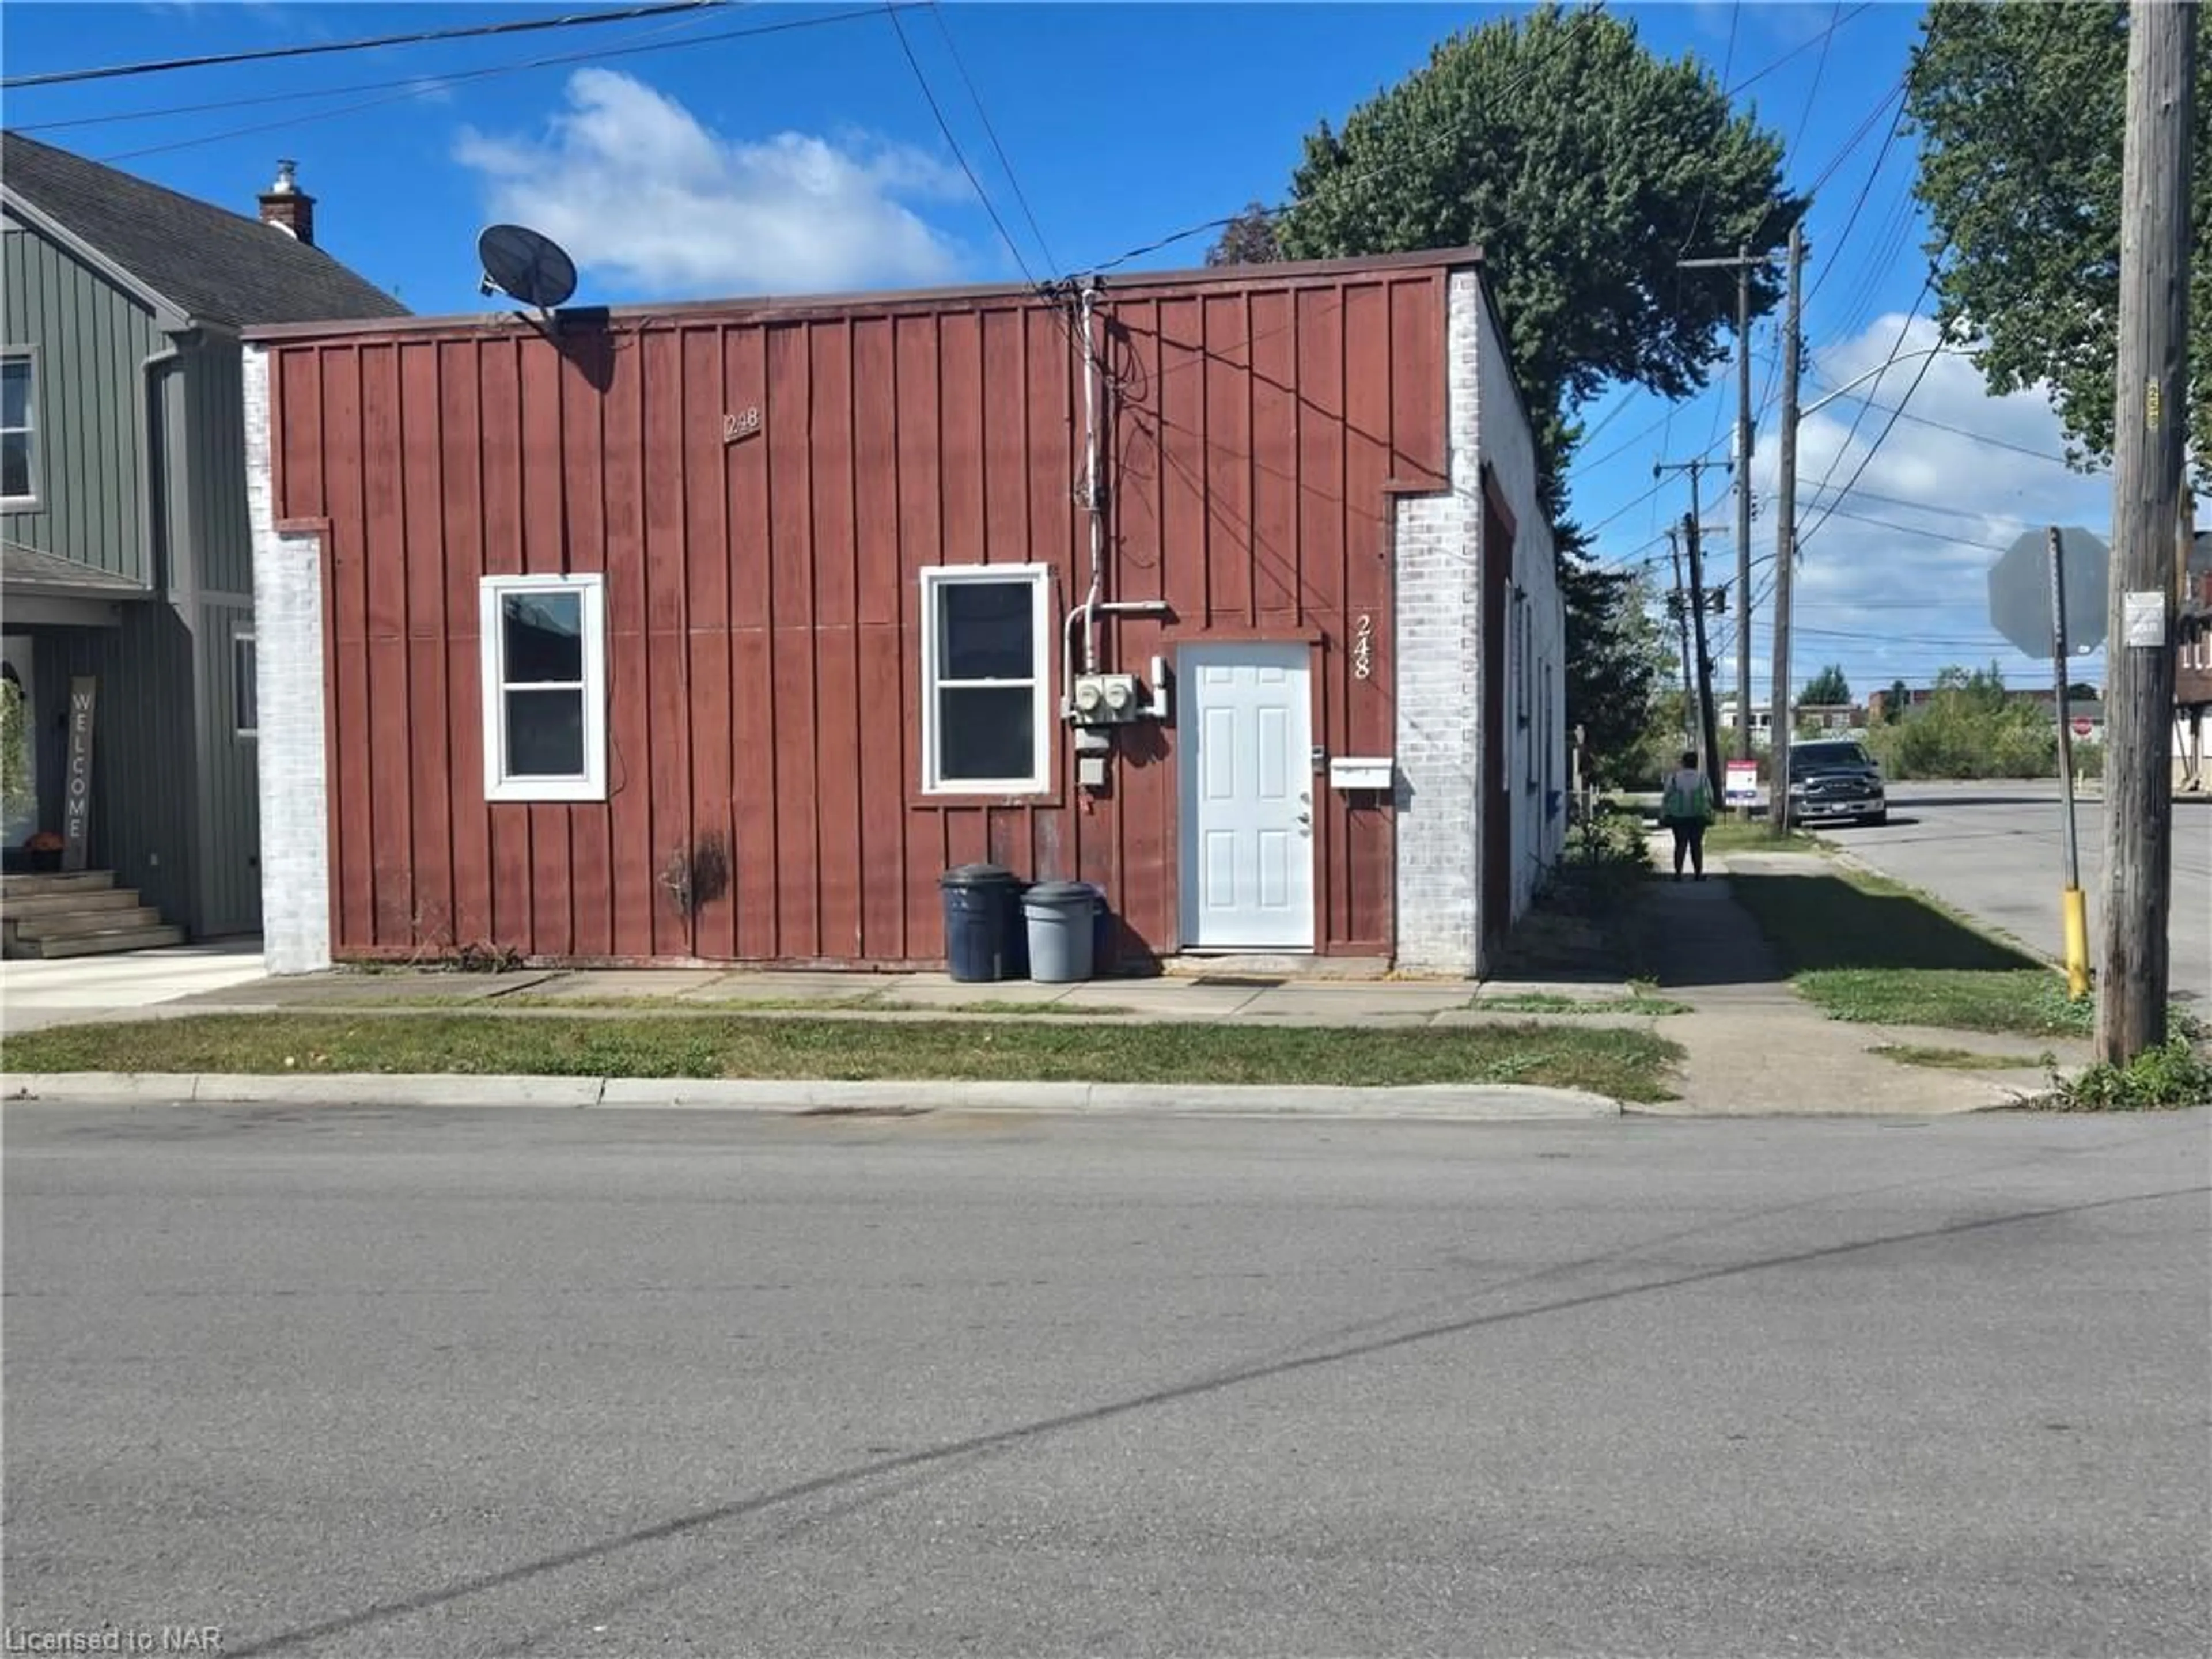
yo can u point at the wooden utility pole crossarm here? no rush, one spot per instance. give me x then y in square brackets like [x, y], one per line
[2152, 422]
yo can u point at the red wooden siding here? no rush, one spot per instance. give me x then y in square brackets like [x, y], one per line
[763, 594]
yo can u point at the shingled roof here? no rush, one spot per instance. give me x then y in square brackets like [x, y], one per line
[214, 265]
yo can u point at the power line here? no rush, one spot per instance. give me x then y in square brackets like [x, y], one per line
[424, 37]
[937, 12]
[1925, 507]
[1867, 459]
[427, 86]
[1896, 352]
[945, 127]
[1945, 426]
[1705, 189]
[302, 94]
[1859, 202]
[1833, 512]
[1820, 40]
[1812, 91]
[1596, 9]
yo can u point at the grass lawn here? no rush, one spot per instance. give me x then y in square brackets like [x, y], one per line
[1624, 1064]
[1866, 949]
[2008, 1002]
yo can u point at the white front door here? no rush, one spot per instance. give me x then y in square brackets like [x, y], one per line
[1245, 734]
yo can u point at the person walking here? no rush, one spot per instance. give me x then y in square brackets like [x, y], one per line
[1687, 808]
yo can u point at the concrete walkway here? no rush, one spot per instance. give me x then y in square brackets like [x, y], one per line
[1754, 1046]
[74, 990]
[1239, 999]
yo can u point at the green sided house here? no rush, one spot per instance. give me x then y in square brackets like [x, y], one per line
[129, 808]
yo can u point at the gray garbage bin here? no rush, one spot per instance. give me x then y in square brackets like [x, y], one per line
[1060, 927]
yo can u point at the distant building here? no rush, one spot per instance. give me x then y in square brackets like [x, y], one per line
[126, 553]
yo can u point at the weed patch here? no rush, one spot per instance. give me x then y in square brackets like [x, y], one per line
[2165, 1078]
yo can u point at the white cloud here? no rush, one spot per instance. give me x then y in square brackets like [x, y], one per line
[650, 200]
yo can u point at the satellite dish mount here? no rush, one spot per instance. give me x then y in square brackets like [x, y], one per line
[527, 266]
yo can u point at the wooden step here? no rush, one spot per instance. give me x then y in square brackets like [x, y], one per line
[100, 945]
[79, 924]
[23, 907]
[54, 881]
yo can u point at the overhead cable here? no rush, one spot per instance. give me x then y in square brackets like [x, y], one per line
[429, 86]
[423, 37]
[945, 127]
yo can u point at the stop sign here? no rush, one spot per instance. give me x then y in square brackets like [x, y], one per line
[2082, 726]
[2019, 591]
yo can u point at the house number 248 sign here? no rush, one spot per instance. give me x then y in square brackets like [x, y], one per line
[742, 424]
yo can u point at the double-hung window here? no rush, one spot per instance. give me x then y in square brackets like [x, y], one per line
[986, 685]
[543, 640]
[19, 477]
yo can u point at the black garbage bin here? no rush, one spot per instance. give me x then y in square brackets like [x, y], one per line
[977, 899]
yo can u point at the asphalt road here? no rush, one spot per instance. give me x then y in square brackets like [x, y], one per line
[1995, 851]
[458, 1383]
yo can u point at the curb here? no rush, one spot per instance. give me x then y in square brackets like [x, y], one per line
[1466, 1102]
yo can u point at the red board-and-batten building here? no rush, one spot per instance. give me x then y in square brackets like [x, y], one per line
[716, 632]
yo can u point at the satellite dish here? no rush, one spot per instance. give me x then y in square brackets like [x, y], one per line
[520, 262]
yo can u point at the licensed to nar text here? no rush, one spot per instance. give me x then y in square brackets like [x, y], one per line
[111, 1638]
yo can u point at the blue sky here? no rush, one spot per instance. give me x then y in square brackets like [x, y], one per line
[676, 157]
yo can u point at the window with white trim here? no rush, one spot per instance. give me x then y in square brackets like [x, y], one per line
[986, 683]
[246, 685]
[19, 477]
[544, 640]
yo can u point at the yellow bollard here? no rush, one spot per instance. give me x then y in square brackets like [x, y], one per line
[2074, 909]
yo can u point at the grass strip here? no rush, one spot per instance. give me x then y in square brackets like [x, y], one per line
[1547, 1002]
[1736, 835]
[1958, 1059]
[1871, 950]
[2008, 1002]
[1625, 1065]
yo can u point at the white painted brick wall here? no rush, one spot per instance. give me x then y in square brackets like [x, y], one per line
[1509, 449]
[288, 603]
[1439, 655]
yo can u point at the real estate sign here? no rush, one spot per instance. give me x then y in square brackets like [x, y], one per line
[76, 780]
[1743, 783]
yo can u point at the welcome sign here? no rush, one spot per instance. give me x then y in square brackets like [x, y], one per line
[76, 781]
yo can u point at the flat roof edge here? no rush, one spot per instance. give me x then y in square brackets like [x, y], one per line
[1250, 276]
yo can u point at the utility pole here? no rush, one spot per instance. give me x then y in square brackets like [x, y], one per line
[1682, 623]
[1743, 264]
[2152, 409]
[1708, 728]
[1705, 714]
[1785, 542]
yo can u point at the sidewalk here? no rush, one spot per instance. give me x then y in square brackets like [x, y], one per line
[75, 990]
[1754, 1047]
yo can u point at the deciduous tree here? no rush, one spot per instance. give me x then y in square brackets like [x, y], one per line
[1585, 167]
[2020, 113]
[1247, 239]
[1616, 668]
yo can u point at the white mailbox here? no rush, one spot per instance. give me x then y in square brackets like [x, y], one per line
[1359, 772]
